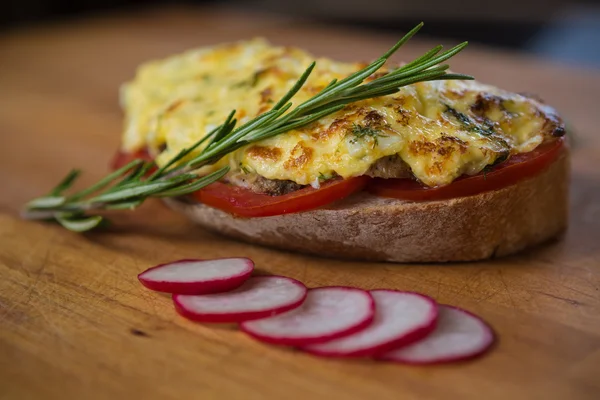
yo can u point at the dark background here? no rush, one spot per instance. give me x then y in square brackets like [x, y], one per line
[559, 30]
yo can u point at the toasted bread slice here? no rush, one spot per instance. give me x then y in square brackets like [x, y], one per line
[365, 227]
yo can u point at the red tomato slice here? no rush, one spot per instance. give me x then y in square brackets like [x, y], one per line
[517, 168]
[245, 203]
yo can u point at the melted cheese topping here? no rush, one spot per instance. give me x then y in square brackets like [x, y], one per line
[440, 129]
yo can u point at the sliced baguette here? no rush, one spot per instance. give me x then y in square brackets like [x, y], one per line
[365, 227]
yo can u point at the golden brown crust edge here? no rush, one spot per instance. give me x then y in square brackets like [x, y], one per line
[365, 227]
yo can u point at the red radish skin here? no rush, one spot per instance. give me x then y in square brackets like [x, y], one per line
[401, 318]
[328, 313]
[258, 297]
[459, 336]
[194, 276]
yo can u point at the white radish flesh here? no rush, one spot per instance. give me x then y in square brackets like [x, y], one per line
[401, 318]
[327, 313]
[198, 276]
[258, 297]
[459, 335]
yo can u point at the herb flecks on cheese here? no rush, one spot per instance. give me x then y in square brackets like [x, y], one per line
[439, 129]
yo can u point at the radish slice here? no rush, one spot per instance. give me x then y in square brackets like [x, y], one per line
[198, 276]
[459, 335]
[258, 297]
[401, 318]
[327, 313]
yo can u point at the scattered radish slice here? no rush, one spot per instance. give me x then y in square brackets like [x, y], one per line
[401, 318]
[198, 276]
[327, 313]
[459, 335]
[258, 297]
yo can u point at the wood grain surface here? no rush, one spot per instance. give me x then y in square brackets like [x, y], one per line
[76, 324]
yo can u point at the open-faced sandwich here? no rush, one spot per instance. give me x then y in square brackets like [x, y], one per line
[370, 161]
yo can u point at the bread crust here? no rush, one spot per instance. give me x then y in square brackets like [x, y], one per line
[366, 227]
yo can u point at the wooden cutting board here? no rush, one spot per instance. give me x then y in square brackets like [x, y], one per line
[76, 324]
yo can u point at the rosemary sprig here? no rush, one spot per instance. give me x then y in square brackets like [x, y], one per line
[131, 185]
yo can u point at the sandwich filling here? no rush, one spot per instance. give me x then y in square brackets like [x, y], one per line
[433, 132]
